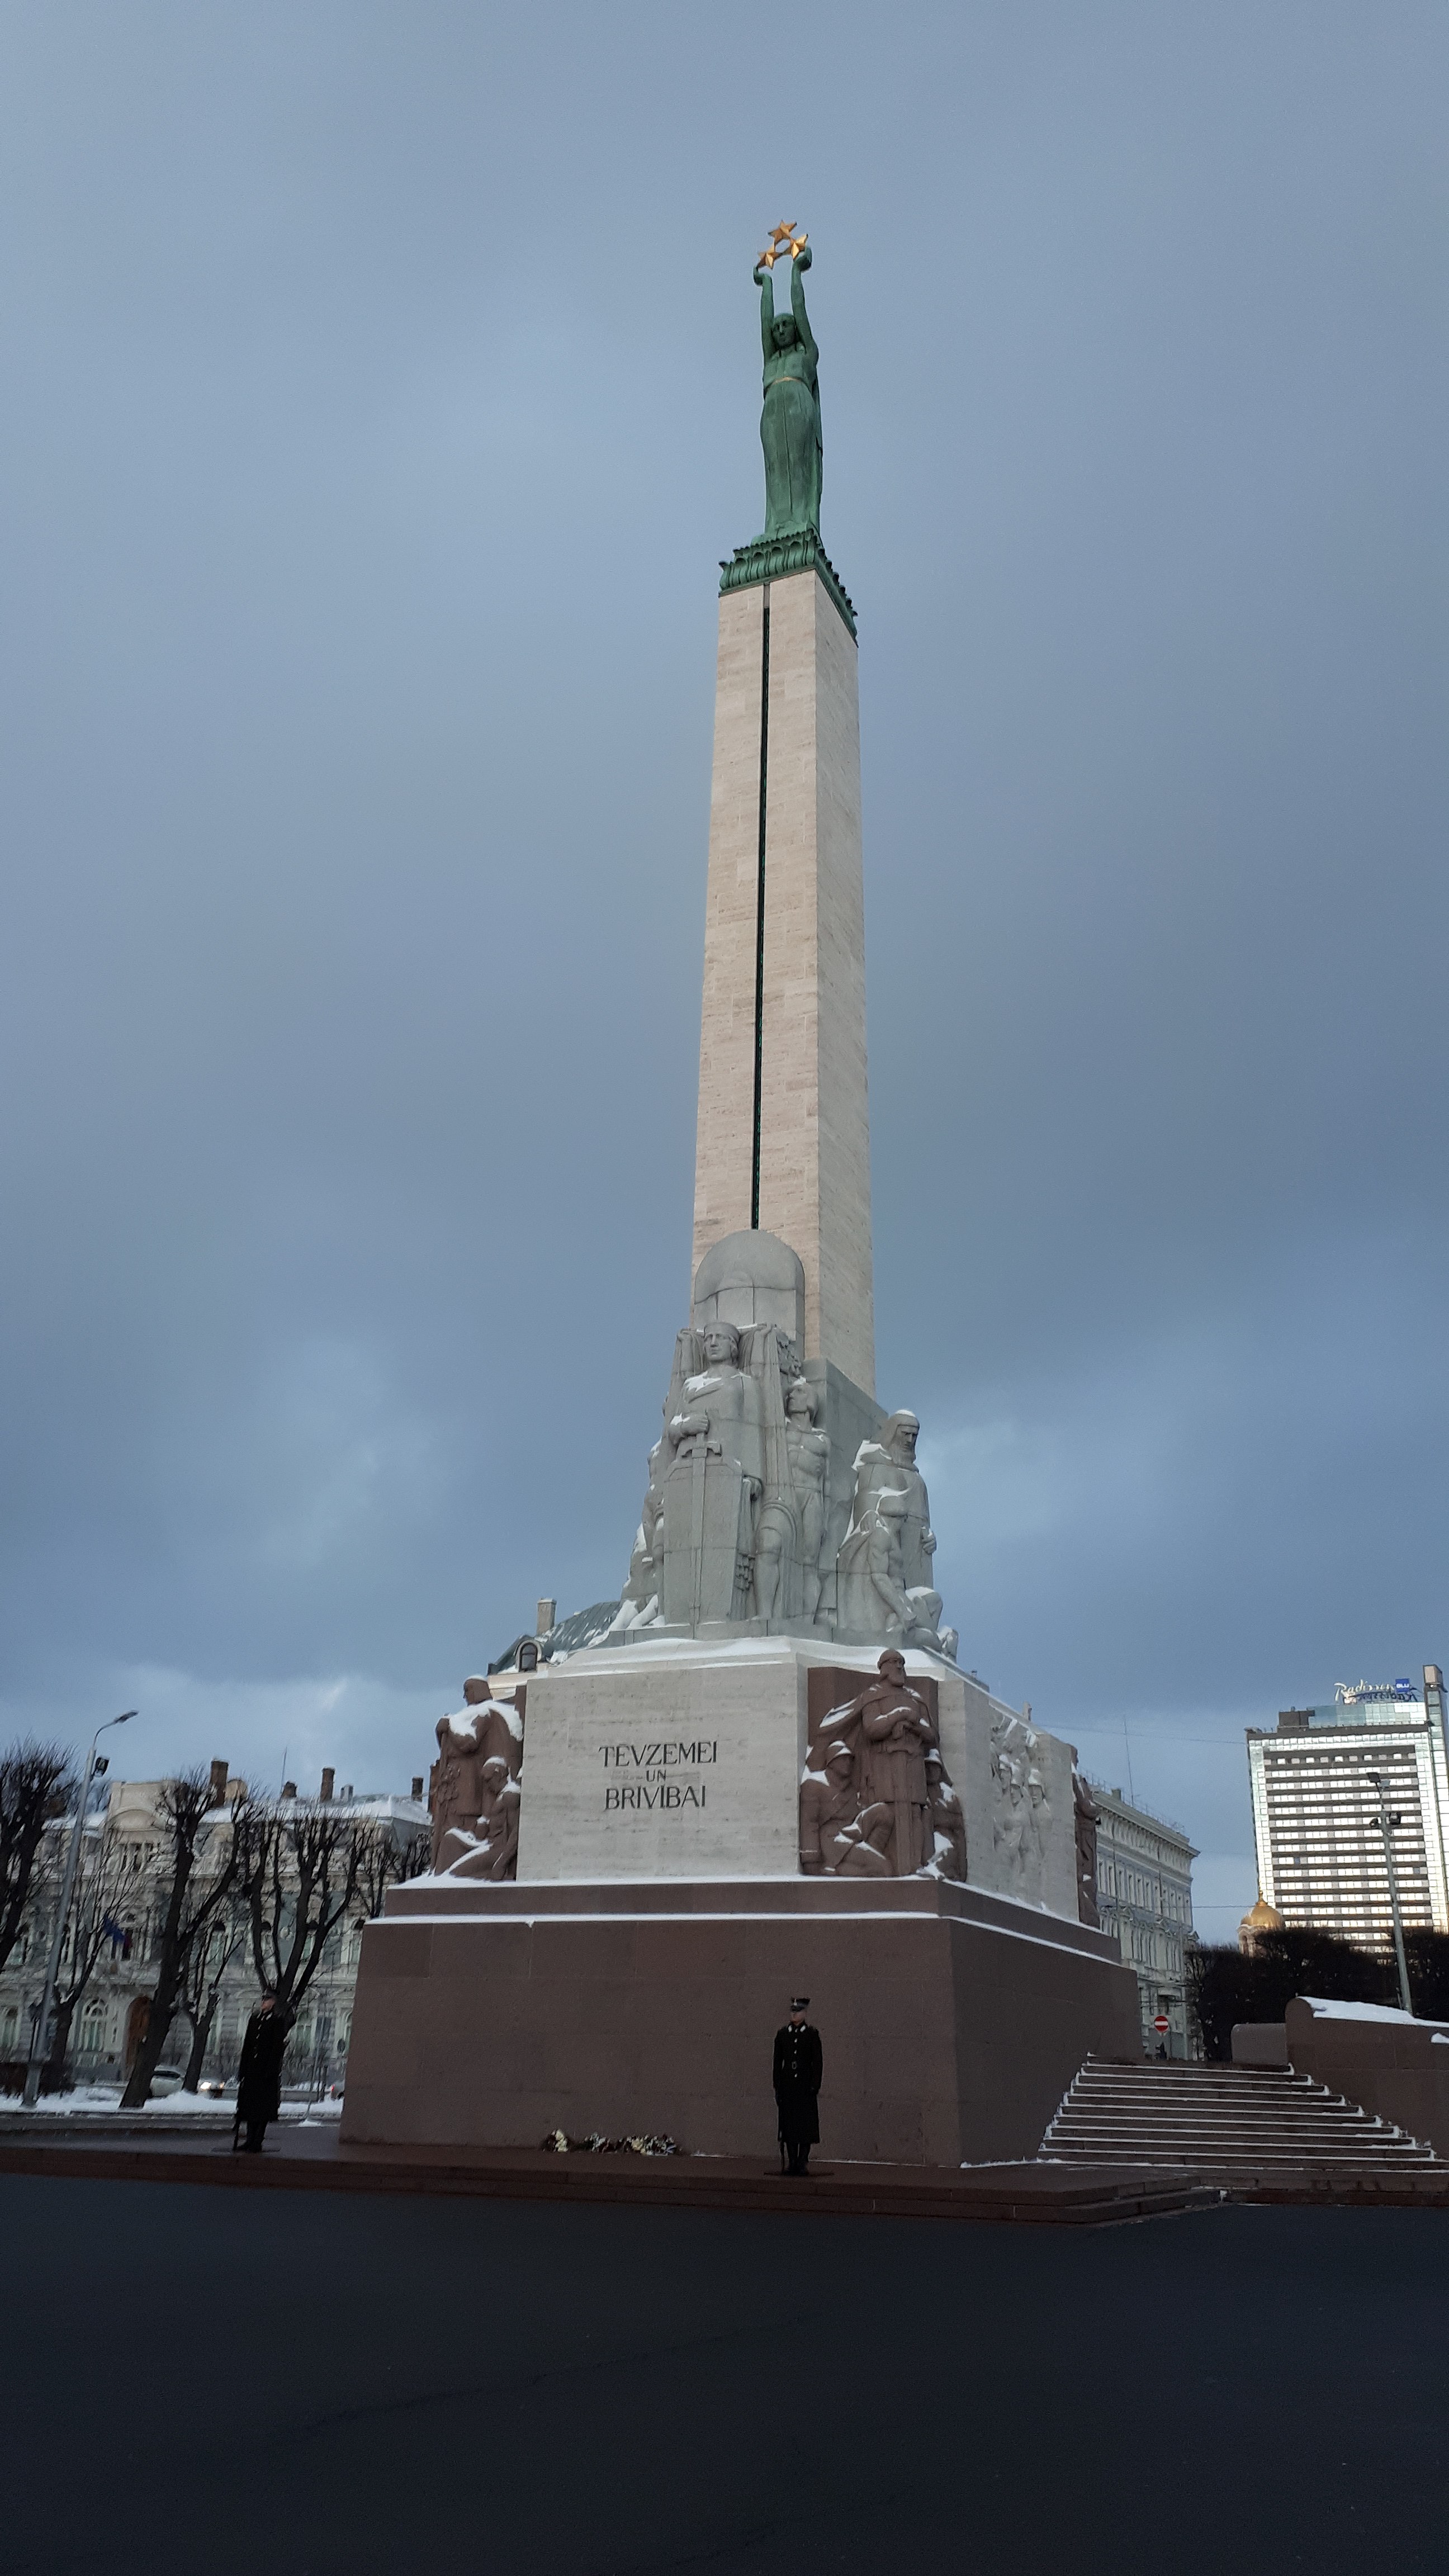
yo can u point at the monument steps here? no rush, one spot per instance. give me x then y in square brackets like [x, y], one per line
[1230, 2122]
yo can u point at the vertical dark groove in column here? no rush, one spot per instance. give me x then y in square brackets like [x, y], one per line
[760, 904]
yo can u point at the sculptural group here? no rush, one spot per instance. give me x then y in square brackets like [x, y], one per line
[875, 1798]
[736, 1524]
[735, 1519]
[473, 1791]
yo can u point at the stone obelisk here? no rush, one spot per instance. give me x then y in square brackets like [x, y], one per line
[784, 1129]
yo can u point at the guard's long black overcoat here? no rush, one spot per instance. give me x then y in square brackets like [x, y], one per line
[799, 2063]
[259, 2076]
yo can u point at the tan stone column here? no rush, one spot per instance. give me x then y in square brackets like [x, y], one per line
[814, 1158]
[724, 1147]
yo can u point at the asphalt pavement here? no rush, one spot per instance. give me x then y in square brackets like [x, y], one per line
[306, 2382]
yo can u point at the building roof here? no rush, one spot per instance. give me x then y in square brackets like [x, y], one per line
[1113, 1801]
[1263, 1917]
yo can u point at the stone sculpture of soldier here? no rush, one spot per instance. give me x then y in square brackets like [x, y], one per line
[871, 1594]
[838, 1836]
[890, 1730]
[883, 1571]
[890, 1462]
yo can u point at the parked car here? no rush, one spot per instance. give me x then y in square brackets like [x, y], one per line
[167, 2079]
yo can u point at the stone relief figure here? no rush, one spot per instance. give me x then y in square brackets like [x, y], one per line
[889, 1797]
[870, 1589]
[1085, 1819]
[891, 1461]
[483, 1729]
[884, 1566]
[643, 1590]
[897, 1731]
[809, 1452]
[838, 1836]
[1039, 1813]
[719, 1537]
[1009, 1819]
[726, 1481]
[790, 420]
[789, 1350]
[948, 1819]
[1021, 1816]
[491, 1850]
[713, 1478]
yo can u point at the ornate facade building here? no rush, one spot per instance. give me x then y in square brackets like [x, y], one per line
[119, 1903]
[1144, 1898]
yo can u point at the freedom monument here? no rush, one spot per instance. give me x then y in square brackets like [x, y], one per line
[770, 1775]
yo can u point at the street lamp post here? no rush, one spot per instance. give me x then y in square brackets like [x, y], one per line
[40, 2028]
[1386, 1824]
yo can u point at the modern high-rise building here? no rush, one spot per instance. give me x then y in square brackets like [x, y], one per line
[1320, 1782]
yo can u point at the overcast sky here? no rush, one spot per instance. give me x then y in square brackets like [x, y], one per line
[380, 390]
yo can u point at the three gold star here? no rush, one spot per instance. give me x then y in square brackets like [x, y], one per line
[783, 238]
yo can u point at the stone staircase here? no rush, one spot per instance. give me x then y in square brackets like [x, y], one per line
[1237, 2124]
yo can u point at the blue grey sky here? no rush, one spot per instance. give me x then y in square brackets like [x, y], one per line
[380, 390]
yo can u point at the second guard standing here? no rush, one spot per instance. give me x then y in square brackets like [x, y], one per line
[798, 2067]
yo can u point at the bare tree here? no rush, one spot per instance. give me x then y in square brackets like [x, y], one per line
[305, 1871]
[207, 1962]
[207, 1846]
[98, 1886]
[36, 1783]
[385, 1863]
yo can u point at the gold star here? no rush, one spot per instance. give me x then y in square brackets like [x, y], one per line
[783, 238]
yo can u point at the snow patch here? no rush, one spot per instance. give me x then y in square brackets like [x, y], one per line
[1328, 2008]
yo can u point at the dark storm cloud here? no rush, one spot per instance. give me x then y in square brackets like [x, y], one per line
[380, 393]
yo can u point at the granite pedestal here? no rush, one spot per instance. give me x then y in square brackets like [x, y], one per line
[952, 2020]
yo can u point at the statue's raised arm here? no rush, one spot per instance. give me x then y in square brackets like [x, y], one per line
[766, 284]
[798, 266]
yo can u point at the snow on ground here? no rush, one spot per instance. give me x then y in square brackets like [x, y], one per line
[107, 2097]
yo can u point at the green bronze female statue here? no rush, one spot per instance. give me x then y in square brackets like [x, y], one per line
[790, 421]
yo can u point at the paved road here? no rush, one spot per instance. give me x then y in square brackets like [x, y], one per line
[302, 2384]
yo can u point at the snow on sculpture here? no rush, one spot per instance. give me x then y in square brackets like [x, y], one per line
[480, 1752]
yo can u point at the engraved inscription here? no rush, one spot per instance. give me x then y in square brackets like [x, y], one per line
[650, 1765]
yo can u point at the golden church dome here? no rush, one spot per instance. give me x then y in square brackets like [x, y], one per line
[1261, 1917]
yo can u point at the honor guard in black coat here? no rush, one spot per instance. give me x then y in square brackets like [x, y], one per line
[798, 2063]
[259, 2077]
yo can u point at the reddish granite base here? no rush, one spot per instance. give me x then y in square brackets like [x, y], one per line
[952, 2021]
